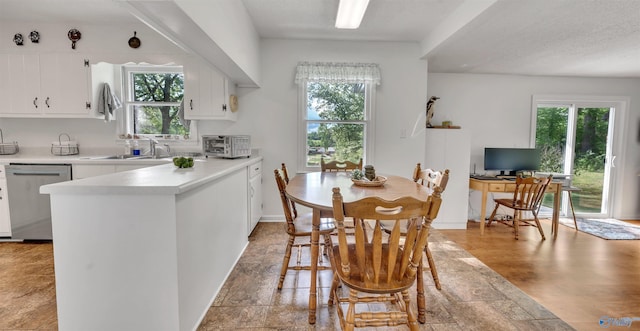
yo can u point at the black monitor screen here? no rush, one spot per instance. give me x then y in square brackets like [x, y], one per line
[511, 159]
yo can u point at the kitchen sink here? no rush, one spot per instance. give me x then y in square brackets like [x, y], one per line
[124, 157]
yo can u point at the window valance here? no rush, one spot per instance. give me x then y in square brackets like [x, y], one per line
[338, 72]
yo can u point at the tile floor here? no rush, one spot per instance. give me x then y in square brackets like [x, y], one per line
[473, 297]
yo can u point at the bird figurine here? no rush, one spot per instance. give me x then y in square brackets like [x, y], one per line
[430, 103]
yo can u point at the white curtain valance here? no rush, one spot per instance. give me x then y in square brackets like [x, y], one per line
[338, 72]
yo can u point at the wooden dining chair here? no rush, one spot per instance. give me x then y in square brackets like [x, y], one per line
[334, 166]
[431, 179]
[285, 176]
[527, 196]
[341, 166]
[381, 269]
[299, 226]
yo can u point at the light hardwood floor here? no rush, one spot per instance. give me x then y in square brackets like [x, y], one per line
[578, 277]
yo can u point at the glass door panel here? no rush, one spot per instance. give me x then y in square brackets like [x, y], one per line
[575, 140]
[592, 151]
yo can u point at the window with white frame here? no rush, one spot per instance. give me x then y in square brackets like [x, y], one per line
[154, 103]
[336, 112]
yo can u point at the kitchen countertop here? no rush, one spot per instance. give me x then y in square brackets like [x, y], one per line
[45, 158]
[152, 180]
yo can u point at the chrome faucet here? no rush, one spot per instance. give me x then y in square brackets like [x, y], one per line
[152, 147]
[153, 152]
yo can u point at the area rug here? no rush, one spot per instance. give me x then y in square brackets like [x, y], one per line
[606, 228]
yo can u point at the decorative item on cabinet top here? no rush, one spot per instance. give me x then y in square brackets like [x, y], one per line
[445, 125]
[74, 35]
[430, 110]
[64, 147]
[7, 148]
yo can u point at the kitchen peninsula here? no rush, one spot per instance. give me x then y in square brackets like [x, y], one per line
[147, 249]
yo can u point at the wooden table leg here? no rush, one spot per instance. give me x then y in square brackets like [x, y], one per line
[315, 238]
[483, 209]
[556, 211]
[575, 222]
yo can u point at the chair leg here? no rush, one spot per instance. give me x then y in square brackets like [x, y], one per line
[516, 222]
[285, 261]
[535, 217]
[422, 306]
[350, 319]
[327, 244]
[432, 267]
[493, 214]
[333, 297]
[411, 316]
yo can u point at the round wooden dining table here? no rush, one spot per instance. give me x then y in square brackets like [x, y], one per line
[314, 190]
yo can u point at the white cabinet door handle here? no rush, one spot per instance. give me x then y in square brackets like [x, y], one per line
[46, 102]
[35, 102]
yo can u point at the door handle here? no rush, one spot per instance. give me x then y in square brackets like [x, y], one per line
[53, 174]
[35, 102]
[46, 102]
[613, 161]
[191, 104]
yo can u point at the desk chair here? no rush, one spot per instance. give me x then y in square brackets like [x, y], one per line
[335, 166]
[526, 197]
[381, 269]
[298, 226]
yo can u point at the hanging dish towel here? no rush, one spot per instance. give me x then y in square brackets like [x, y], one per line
[186, 123]
[108, 103]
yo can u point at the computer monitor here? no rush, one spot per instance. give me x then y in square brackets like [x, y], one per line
[510, 160]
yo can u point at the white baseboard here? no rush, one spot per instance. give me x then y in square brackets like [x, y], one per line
[449, 225]
[272, 218]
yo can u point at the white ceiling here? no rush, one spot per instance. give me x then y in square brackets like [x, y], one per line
[599, 38]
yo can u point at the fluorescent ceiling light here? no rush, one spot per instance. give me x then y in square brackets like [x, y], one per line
[350, 13]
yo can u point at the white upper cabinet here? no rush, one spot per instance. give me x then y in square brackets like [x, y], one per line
[206, 93]
[64, 83]
[44, 85]
[19, 85]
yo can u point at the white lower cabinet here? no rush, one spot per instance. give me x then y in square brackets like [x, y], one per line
[5, 225]
[255, 195]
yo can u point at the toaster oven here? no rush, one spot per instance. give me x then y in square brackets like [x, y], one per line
[226, 146]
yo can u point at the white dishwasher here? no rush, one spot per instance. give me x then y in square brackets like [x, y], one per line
[30, 211]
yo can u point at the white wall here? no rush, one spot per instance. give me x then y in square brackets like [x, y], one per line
[270, 113]
[496, 110]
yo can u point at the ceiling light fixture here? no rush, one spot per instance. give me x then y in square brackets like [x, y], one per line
[350, 13]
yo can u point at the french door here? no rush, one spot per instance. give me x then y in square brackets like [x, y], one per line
[576, 138]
